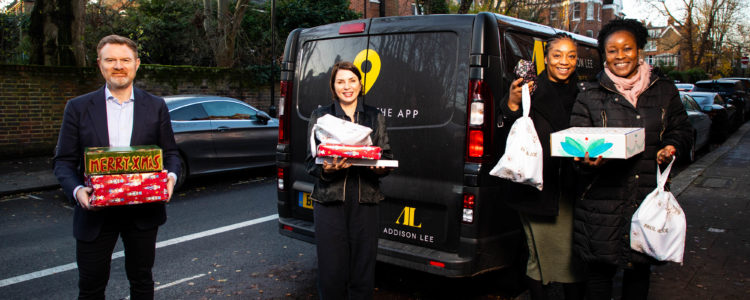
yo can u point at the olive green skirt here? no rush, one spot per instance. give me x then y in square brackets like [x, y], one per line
[550, 243]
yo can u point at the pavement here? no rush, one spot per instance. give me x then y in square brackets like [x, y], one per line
[714, 192]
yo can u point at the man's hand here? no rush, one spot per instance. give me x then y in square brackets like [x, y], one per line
[170, 187]
[83, 195]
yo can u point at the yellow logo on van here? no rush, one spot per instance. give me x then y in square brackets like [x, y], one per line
[407, 217]
[538, 56]
[372, 75]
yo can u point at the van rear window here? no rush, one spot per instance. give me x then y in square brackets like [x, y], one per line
[412, 78]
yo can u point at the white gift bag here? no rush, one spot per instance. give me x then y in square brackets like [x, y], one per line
[522, 161]
[658, 227]
[331, 130]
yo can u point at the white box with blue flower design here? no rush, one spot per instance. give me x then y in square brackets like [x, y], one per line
[608, 142]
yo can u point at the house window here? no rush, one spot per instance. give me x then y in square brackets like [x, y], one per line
[576, 11]
[375, 1]
[590, 33]
[590, 11]
[650, 45]
[598, 14]
[553, 14]
[416, 11]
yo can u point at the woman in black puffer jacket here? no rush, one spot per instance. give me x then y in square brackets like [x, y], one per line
[626, 94]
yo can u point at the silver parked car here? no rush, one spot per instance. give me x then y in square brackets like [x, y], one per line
[701, 125]
[217, 134]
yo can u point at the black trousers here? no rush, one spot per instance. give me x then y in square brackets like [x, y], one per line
[346, 235]
[635, 281]
[94, 260]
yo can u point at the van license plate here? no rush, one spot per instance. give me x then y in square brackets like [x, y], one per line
[305, 201]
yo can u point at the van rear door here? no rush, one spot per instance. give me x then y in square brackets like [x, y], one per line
[417, 72]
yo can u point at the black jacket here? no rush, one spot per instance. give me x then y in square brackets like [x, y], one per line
[611, 193]
[558, 175]
[330, 187]
[85, 125]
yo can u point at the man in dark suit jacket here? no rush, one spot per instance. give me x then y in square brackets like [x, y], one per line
[117, 114]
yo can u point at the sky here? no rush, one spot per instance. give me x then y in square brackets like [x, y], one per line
[642, 10]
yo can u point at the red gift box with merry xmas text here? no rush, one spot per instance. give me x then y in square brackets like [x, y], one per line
[349, 151]
[127, 189]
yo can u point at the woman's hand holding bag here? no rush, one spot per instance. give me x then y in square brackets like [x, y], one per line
[522, 161]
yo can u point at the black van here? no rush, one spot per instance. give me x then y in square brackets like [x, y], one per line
[438, 79]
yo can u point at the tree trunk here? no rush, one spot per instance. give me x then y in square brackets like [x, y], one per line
[464, 6]
[51, 31]
[77, 32]
[222, 29]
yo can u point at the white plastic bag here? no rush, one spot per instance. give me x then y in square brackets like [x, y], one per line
[331, 130]
[658, 227]
[522, 161]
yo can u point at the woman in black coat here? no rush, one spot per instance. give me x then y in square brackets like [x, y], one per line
[626, 94]
[345, 197]
[547, 215]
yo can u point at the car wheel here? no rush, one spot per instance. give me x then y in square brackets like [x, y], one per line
[183, 174]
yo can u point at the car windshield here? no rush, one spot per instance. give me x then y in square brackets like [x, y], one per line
[703, 100]
[684, 85]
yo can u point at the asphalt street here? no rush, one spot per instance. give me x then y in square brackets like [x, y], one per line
[220, 240]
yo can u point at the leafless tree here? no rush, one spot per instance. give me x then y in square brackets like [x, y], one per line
[222, 27]
[704, 25]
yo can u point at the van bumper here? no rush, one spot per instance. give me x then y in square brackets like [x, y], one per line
[297, 229]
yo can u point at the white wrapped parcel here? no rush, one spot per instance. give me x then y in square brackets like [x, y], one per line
[609, 142]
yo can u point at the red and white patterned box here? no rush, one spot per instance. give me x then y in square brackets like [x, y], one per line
[128, 189]
[349, 151]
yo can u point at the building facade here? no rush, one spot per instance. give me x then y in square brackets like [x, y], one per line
[20, 7]
[663, 46]
[584, 17]
[384, 8]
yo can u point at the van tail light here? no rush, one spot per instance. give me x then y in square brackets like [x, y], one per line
[285, 109]
[468, 213]
[352, 28]
[437, 264]
[476, 143]
[280, 178]
[480, 100]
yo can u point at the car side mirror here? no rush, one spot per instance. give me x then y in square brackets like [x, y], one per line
[707, 108]
[263, 118]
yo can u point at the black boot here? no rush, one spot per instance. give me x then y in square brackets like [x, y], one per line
[574, 291]
[537, 291]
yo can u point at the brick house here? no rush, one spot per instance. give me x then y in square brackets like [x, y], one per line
[384, 8]
[663, 46]
[584, 17]
[20, 7]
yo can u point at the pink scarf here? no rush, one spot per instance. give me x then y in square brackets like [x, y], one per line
[633, 87]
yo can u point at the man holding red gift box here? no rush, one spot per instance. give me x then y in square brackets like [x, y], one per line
[116, 115]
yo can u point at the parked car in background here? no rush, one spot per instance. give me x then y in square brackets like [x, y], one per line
[217, 134]
[684, 87]
[732, 91]
[701, 126]
[721, 113]
[745, 81]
